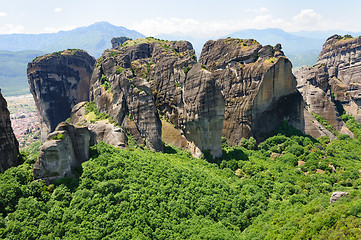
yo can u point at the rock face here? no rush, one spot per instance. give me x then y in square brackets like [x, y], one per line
[139, 79]
[101, 130]
[9, 146]
[119, 41]
[237, 89]
[333, 84]
[65, 149]
[337, 195]
[58, 81]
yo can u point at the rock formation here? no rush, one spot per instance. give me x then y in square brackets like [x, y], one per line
[139, 79]
[101, 130]
[337, 195]
[9, 146]
[119, 41]
[237, 89]
[65, 149]
[333, 84]
[58, 81]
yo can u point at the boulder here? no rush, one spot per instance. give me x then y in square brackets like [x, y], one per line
[57, 82]
[65, 149]
[9, 146]
[337, 195]
[100, 130]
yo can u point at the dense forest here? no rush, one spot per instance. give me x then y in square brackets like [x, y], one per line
[279, 188]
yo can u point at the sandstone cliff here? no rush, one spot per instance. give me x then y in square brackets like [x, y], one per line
[9, 146]
[237, 89]
[58, 81]
[333, 82]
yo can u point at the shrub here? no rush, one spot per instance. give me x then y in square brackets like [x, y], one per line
[58, 136]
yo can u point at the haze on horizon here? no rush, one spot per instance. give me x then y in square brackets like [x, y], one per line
[193, 18]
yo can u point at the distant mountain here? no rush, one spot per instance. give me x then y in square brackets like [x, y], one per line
[16, 50]
[324, 34]
[13, 80]
[300, 50]
[94, 39]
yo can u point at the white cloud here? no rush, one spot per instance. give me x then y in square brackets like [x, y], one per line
[257, 10]
[307, 17]
[55, 30]
[207, 29]
[3, 14]
[57, 9]
[10, 29]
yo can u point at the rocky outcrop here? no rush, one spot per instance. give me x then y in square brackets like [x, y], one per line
[58, 81]
[101, 130]
[332, 85]
[237, 89]
[117, 41]
[65, 149]
[335, 196]
[140, 79]
[9, 146]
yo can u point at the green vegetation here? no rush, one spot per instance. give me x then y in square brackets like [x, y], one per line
[58, 136]
[94, 115]
[271, 60]
[134, 194]
[105, 83]
[119, 70]
[130, 43]
[326, 124]
[186, 69]
[99, 60]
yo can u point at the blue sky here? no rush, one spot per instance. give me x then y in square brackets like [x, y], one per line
[197, 18]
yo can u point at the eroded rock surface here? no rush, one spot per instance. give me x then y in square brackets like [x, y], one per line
[237, 89]
[65, 149]
[58, 81]
[101, 130]
[140, 79]
[332, 85]
[9, 146]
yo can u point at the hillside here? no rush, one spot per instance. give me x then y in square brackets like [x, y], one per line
[94, 39]
[13, 80]
[139, 194]
[18, 49]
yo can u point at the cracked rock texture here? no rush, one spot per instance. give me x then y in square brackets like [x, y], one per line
[238, 89]
[57, 82]
[9, 146]
[333, 84]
